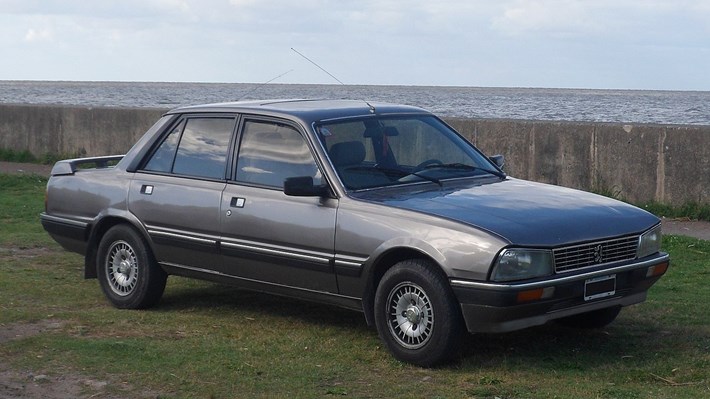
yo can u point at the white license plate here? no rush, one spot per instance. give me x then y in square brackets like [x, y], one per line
[599, 287]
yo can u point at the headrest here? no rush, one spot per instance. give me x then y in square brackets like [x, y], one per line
[388, 131]
[347, 153]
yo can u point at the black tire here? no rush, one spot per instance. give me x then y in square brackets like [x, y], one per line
[590, 320]
[127, 271]
[417, 315]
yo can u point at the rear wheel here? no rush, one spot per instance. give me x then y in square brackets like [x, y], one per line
[416, 314]
[590, 320]
[127, 271]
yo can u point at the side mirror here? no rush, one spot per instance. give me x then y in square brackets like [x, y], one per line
[499, 160]
[303, 186]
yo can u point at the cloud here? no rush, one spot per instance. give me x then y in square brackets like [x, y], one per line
[563, 18]
[242, 3]
[443, 42]
[38, 35]
[619, 21]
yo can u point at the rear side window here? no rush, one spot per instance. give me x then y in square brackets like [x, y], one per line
[195, 147]
[162, 159]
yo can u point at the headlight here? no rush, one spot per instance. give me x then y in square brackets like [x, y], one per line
[520, 263]
[649, 242]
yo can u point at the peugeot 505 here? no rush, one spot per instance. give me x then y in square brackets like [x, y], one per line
[376, 207]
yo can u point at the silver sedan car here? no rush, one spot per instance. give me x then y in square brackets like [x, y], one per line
[376, 207]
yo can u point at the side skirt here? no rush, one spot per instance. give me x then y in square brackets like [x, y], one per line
[329, 298]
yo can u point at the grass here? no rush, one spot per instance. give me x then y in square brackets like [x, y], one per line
[25, 156]
[16, 156]
[690, 210]
[209, 341]
[21, 200]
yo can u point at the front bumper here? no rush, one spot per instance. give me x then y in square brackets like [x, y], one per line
[497, 307]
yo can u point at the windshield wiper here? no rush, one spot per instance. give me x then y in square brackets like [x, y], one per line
[463, 166]
[403, 173]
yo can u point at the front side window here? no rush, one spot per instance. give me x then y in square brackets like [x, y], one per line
[195, 147]
[271, 152]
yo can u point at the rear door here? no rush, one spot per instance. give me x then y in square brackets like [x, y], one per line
[178, 190]
[267, 236]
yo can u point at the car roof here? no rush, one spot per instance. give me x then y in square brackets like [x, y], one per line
[308, 110]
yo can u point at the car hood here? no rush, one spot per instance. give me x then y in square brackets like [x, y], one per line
[522, 212]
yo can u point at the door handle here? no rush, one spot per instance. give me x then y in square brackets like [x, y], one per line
[237, 202]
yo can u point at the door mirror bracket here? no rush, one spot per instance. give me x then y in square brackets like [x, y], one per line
[302, 186]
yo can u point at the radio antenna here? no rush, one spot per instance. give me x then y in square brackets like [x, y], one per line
[319, 67]
[262, 84]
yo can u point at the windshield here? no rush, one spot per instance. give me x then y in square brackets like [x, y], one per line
[390, 150]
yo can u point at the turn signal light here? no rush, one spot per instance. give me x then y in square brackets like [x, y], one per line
[657, 270]
[536, 294]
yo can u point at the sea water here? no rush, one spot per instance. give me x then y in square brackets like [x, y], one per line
[625, 106]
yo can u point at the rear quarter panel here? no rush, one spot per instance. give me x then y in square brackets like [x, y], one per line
[86, 194]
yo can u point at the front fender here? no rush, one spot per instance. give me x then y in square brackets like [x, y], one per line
[409, 245]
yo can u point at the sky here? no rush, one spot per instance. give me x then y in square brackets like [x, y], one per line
[601, 44]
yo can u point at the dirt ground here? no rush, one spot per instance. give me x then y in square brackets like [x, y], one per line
[25, 168]
[692, 228]
[52, 385]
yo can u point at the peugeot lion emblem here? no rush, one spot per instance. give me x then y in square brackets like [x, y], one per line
[598, 254]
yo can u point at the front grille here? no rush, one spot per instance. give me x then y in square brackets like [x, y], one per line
[595, 253]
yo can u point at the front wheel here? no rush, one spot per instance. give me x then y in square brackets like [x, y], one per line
[416, 314]
[128, 274]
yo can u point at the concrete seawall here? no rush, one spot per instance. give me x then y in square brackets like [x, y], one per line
[75, 131]
[641, 163]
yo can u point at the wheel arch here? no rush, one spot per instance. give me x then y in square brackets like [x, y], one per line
[97, 232]
[379, 267]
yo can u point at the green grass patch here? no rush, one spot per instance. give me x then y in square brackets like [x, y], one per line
[690, 210]
[25, 156]
[21, 201]
[9, 155]
[210, 341]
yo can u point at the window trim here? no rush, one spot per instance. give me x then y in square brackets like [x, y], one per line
[159, 143]
[183, 119]
[274, 120]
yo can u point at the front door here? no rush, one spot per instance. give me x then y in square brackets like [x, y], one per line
[267, 236]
